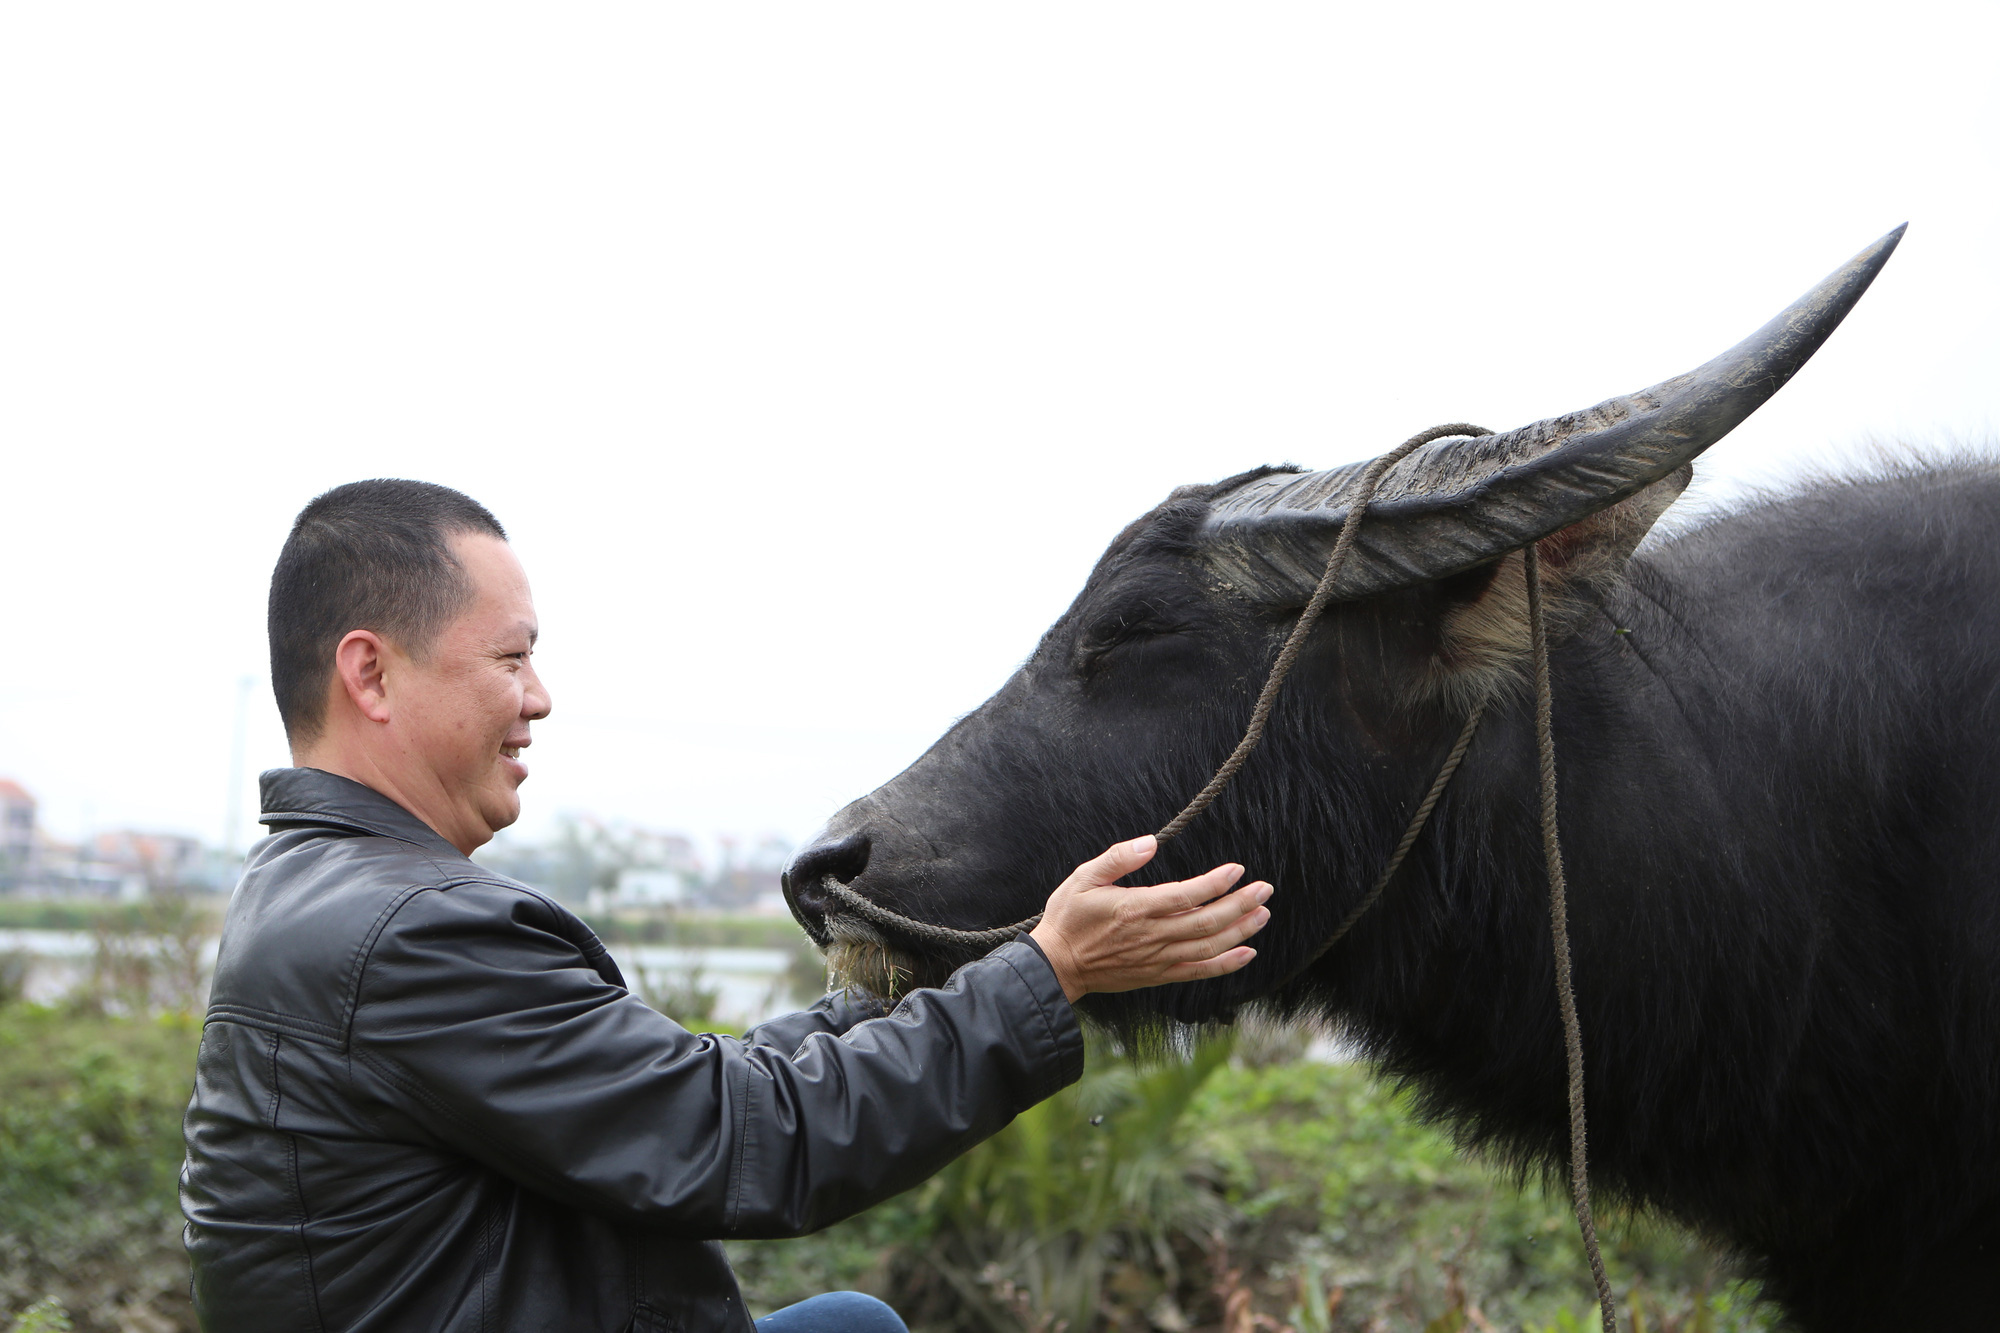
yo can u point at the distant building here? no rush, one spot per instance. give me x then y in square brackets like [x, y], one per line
[651, 850]
[160, 860]
[123, 864]
[17, 833]
[602, 867]
[771, 903]
[67, 870]
[749, 882]
[652, 886]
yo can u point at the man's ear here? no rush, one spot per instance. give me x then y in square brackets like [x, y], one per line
[360, 670]
[1482, 643]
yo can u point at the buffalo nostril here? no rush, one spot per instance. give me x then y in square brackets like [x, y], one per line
[841, 858]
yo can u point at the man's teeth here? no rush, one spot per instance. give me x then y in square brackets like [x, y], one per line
[511, 751]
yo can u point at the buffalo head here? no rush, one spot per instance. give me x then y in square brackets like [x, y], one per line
[1144, 685]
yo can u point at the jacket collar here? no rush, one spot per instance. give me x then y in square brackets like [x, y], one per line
[293, 796]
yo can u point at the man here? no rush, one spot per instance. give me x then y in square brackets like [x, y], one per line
[425, 1099]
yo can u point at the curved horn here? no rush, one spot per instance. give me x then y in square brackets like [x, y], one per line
[1458, 503]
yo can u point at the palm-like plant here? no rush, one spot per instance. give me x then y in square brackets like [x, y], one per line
[1023, 1227]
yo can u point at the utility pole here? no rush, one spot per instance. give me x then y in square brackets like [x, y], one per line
[232, 825]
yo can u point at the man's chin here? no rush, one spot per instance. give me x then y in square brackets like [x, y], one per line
[500, 810]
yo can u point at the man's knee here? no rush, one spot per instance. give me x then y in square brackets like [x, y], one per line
[834, 1312]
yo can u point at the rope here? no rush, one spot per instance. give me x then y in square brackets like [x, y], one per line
[1253, 734]
[1545, 744]
[1295, 643]
[1260, 716]
[1409, 840]
[877, 915]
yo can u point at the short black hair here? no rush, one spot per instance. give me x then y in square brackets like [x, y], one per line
[373, 555]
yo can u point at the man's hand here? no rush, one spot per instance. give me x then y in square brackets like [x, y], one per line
[1102, 936]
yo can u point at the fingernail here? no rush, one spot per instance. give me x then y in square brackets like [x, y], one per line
[1145, 844]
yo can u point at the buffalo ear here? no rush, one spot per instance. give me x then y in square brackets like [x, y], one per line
[1482, 642]
[1598, 547]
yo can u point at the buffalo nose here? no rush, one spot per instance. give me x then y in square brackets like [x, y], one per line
[803, 880]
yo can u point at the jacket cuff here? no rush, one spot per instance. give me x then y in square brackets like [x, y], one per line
[1059, 1021]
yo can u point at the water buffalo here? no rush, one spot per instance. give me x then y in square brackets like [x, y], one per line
[1779, 734]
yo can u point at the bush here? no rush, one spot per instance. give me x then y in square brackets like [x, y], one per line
[13, 976]
[90, 1153]
[1239, 1195]
[64, 913]
[1241, 1191]
[44, 1316]
[154, 958]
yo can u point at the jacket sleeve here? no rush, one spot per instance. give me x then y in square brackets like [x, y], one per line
[832, 1014]
[479, 1021]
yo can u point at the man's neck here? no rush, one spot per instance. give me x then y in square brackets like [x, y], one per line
[424, 800]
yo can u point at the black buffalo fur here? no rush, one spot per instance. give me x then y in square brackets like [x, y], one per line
[1779, 741]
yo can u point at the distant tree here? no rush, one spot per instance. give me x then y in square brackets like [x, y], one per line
[152, 958]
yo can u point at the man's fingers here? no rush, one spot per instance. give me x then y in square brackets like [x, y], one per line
[1152, 934]
[1218, 966]
[1116, 862]
[1209, 919]
[1187, 894]
[1219, 941]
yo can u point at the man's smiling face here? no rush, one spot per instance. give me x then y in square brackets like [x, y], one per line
[464, 706]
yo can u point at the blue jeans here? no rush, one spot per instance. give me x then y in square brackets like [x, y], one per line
[834, 1312]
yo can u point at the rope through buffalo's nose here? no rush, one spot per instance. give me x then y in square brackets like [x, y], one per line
[877, 915]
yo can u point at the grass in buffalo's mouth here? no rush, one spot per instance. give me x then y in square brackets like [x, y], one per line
[860, 960]
[871, 967]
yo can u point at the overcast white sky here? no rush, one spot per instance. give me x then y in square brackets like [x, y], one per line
[811, 352]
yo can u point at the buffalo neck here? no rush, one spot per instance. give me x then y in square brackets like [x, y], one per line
[1666, 815]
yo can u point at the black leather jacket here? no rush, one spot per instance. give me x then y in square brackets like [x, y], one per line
[425, 1100]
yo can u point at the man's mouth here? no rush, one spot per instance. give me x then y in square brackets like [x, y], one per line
[510, 758]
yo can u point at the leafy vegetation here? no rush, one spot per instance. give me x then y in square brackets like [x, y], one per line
[66, 914]
[703, 930]
[44, 1316]
[90, 1151]
[1244, 1190]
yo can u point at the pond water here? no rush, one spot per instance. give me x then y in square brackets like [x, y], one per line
[749, 984]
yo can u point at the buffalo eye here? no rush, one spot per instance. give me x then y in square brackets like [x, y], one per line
[1102, 642]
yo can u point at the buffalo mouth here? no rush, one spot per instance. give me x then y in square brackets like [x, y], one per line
[860, 959]
[871, 968]
[863, 954]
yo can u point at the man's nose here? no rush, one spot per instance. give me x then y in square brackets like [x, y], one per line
[535, 705]
[840, 859]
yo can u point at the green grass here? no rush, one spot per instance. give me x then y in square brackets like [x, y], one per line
[1146, 1199]
[33, 914]
[690, 930]
[699, 930]
[1295, 1195]
[90, 1151]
